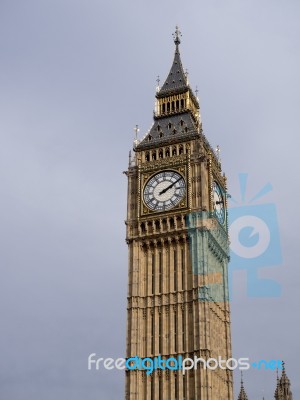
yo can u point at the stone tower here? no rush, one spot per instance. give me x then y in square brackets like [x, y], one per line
[177, 238]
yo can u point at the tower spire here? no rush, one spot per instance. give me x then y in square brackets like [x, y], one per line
[283, 386]
[176, 80]
[243, 394]
[176, 114]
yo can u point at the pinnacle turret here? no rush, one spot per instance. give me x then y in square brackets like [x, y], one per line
[283, 386]
[243, 394]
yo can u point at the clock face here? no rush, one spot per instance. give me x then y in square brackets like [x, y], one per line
[218, 201]
[164, 191]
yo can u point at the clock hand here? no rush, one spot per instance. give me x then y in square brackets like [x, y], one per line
[169, 187]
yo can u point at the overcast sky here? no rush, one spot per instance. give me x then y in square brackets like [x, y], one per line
[76, 76]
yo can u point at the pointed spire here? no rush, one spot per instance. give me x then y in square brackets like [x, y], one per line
[283, 386]
[176, 79]
[177, 110]
[243, 394]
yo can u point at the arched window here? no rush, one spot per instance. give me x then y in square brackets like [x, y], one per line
[167, 153]
[143, 228]
[147, 156]
[174, 151]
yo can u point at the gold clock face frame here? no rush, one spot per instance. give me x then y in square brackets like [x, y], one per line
[164, 190]
[218, 203]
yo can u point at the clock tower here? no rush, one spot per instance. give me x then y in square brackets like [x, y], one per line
[177, 238]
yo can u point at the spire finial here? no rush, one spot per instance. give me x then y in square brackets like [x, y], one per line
[136, 130]
[176, 36]
[158, 82]
[218, 151]
[283, 367]
[242, 382]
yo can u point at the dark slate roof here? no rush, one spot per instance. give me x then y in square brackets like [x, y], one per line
[176, 79]
[163, 130]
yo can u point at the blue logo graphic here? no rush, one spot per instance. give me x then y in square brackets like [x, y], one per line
[255, 241]
[254, 244]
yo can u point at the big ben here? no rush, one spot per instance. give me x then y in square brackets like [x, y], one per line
[177, 236]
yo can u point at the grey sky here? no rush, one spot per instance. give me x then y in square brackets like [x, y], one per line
[76, 76]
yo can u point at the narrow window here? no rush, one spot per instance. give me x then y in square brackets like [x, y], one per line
[160, 273]
[152, 333]
[153, 273]
[183, 329]
[175, 270]
[175, 331]
[160, 333]
[160, 388]
[153, 387]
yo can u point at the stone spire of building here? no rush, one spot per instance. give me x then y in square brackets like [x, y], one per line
[283, 386]
[177, 109]
[243, 394]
